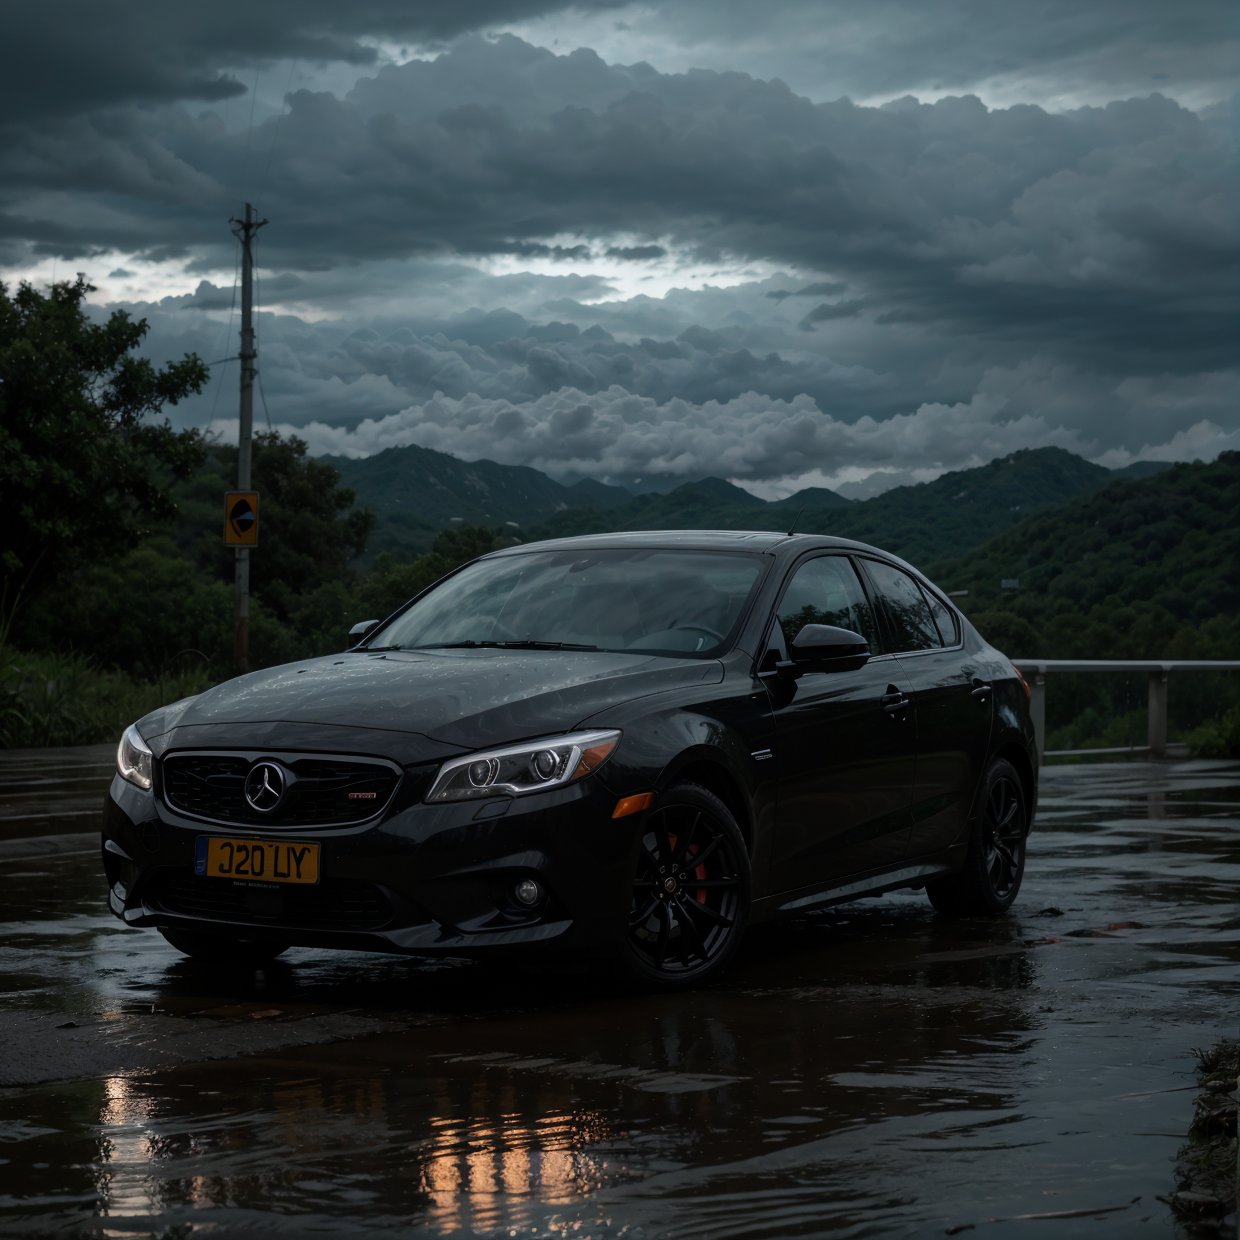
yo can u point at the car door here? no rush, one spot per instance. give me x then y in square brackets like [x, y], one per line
[844, 741]
[952, 702]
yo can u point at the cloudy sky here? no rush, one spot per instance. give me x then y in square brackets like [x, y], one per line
[835, 242]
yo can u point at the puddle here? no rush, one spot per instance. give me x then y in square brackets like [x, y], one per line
[871, 1070]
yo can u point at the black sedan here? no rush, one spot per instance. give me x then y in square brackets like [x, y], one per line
[624, 747]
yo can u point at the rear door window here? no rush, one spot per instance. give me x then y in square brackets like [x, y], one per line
[944, 618]
[908, 613]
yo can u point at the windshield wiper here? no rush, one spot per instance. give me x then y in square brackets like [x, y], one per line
[512, 645]
[379, 649]
[534, 645]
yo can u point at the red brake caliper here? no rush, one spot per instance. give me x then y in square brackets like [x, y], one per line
[700, 872]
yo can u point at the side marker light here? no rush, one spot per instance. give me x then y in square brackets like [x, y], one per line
[633, 805]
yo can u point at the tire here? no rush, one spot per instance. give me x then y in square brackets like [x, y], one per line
[223, 952]
[690, 892]
[994, 865]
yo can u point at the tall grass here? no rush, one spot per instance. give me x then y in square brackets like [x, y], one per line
[64, 699]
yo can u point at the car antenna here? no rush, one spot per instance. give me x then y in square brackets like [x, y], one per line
[795, 520]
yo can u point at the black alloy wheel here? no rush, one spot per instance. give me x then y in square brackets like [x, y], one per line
[219, 951]
[995, 864]
[690, 891]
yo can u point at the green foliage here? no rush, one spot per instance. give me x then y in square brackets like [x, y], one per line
[419, 491]
[393, 581]
[170, 603]
[1144, 568]
[66, 700]
[962, 510]
[1217, 738]
[82, 469]
[1010, 632]
[151, 613]
[309, 531]
[416, 490]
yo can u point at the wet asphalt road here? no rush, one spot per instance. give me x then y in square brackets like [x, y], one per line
[870, 1071]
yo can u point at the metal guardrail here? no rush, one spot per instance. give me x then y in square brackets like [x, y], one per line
[1158, 670]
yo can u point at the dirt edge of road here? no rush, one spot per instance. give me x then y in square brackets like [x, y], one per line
[1206, 1168]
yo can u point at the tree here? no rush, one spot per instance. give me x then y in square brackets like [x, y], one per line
[393, 581]
[84, 469]
[310, 534]
[180, 581]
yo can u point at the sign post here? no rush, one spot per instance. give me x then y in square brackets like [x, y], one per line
[241, 518]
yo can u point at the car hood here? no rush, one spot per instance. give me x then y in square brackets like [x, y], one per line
[462, 699]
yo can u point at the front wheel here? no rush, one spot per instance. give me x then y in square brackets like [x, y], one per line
[995, 863]
[690, 891]
[223, 952]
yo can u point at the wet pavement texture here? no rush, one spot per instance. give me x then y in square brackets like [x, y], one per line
[872, 1070]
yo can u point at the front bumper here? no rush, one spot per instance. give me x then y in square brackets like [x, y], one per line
[429, 879]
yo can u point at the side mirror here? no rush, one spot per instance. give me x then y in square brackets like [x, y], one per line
[824, 648]
[361, 631]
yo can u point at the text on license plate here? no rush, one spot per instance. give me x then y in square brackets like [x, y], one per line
[268, 861]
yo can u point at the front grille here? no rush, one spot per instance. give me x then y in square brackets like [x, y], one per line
[333, 904]
[318, 791]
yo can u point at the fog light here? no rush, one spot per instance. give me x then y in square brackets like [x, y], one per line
[528, 892]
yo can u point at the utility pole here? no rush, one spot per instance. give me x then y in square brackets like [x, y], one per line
[244, 231]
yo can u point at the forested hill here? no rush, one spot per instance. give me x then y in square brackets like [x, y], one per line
[935, 519]
[415, 491]
[1143, 568]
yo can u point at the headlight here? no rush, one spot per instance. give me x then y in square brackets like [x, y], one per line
[531, 767]
[133, 759]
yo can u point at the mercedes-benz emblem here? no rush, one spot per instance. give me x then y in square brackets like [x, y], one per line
[264, 787]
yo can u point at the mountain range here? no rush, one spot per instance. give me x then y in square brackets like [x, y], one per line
[416, 491]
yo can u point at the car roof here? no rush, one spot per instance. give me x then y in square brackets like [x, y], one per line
[762, 541]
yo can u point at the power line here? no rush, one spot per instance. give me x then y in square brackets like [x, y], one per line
[258, 307]
[258, 374]
[224, 341]
[249, 133]
[276, 131]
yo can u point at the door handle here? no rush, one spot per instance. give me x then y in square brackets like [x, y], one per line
[981, 689]
[894, 700]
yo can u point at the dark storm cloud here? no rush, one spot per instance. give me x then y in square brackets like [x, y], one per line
[832, 310]
[1019, 218]
[1118, 222]
[64, 56]
[824, 288]
[1026, 276]
[1044, 49]
[636, 253]
[536, 249]
[501, 355]
[615, 432]
[574, 399]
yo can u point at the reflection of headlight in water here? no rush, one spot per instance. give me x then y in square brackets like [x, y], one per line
[127, 1147]
[474, 1173]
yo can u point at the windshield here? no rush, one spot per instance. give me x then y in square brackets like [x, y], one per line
[655, 601]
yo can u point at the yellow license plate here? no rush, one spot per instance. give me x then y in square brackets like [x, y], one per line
[264, 861]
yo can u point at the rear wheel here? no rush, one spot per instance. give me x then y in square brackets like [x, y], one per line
[222, 951]
[995, 862]
[690, 891]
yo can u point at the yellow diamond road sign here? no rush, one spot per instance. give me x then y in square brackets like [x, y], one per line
[241, 518]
